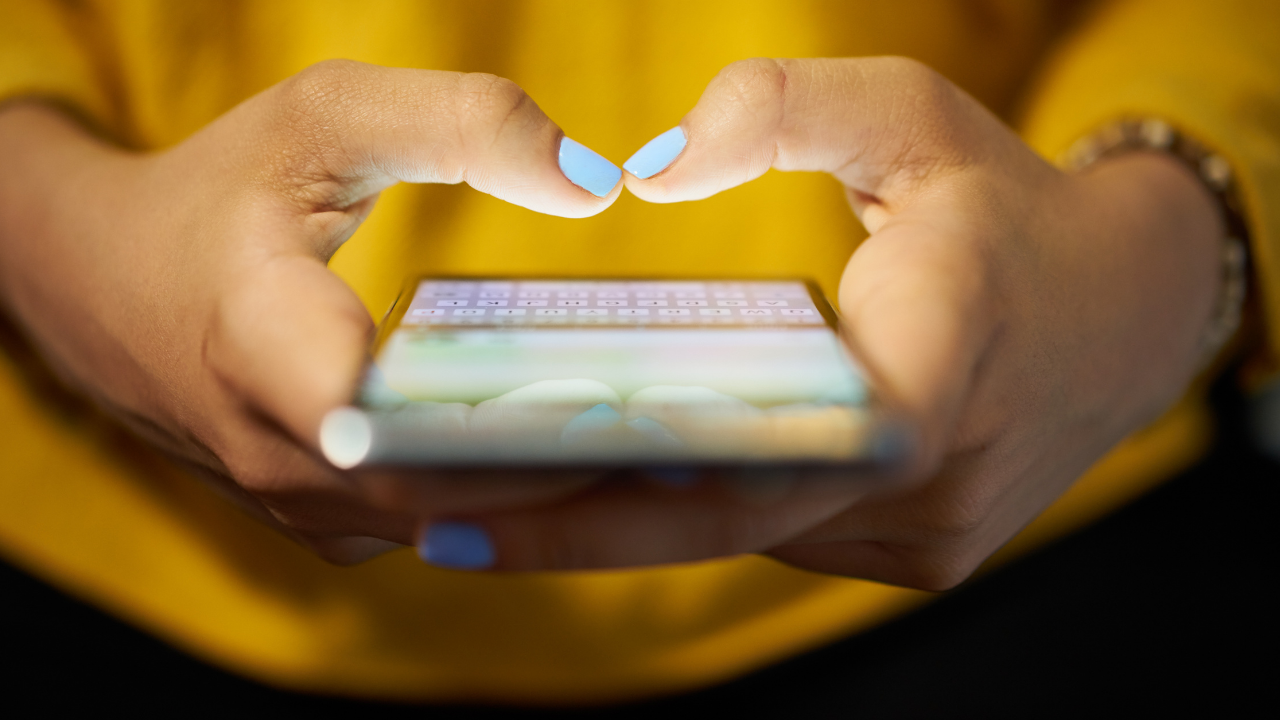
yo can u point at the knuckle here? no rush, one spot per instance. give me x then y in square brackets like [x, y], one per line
[310, 110]
[268, 466]
[955, 522]
[937, 571]
[259, 478]
[928, 89]
[488, 101]
[321, 85]
[756, 84]
[947, 546]
[929, 110]
[291, 499]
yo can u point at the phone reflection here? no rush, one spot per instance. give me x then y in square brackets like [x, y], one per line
[612, 373]
[586, 422]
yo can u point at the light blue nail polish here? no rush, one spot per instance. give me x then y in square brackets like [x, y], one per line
[457, 545]
[657, 154]
[656, 432]
[600, 417]
[587, 169]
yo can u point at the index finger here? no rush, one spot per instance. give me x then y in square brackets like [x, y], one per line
[871, 122]
[344, 130]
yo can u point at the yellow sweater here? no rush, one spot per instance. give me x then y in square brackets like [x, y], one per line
[108, 520]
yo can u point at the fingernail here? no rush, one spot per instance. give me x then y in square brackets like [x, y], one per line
[346, 437]
[600, 417]
[657, 433]
[657, 154]
[456, 545]
[585, 168]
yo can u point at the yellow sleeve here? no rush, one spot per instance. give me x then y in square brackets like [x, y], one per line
[44, 53]
[1210, 68]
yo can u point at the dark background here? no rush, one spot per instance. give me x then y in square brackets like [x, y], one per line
[1164, 606]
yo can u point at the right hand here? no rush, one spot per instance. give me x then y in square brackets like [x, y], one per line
[187, 292]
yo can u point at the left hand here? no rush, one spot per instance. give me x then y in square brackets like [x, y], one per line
[186, 290]
[1026, 319]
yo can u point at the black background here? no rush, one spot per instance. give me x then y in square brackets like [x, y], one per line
[1166, 606]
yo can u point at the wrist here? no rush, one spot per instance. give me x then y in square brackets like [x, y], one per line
[66, 228]
[1215, 177]
[57, 182]
[1151, 240]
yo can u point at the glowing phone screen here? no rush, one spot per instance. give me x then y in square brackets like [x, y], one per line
[652, 372]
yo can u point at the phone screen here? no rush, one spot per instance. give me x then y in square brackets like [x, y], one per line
[618, 372]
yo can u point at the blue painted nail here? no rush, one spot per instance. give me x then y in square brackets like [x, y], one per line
[657, 154]
[656, 432]
[600, 417]
[457, 545]
[585, 168]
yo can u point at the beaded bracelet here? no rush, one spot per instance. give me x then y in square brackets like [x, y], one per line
[1153, 134]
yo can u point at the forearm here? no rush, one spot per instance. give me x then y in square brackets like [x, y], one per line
[56, 183]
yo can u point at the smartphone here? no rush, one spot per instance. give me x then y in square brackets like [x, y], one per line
[525, 372]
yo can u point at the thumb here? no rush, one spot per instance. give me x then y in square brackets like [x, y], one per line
[879, 125]
[291, 338]
[920, 312]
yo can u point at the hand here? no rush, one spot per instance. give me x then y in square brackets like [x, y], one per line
[187, 292]
[1026, 319]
